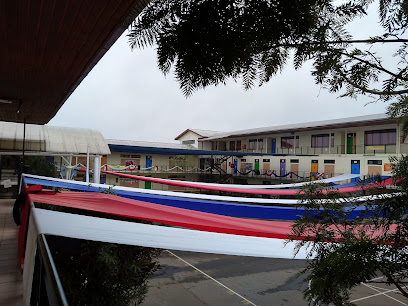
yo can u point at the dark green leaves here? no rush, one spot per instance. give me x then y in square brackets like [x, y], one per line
[208, 42]
[211, 41]
[347, 251]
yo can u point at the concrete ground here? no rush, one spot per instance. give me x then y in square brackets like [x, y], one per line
[209, 279]
[11, 292]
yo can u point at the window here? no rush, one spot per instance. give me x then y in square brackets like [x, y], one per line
[290, 142]
[266, 160]
[381, 137]
[129, 156]
[252, 144]
[188, 141]
[322, 141]
[294, 161]
[238, 147]
[260, 144]
[375, 162]
[329, 161]
[256, 144]
[232, 146]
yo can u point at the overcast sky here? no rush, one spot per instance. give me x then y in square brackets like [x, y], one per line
[126, 97]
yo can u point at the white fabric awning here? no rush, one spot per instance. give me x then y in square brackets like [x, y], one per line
[51, 139]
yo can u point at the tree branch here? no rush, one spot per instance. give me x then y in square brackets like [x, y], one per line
[372, 91]
[333, 42]
[391, 280]
[381, 68]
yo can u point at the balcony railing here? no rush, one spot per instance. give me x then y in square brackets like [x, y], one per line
[286, 176]
[341, 149]
[46, 287]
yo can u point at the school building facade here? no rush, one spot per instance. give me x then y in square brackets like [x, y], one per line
[361, 145]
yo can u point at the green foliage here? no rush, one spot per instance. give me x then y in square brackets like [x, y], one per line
[210, 41]
[96, 273]
[372, 242]
[39, 165]
[108, 191]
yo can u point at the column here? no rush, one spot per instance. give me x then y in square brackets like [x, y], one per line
[97, 170]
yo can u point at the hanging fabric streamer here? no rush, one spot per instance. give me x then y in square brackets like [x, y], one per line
[244, 173]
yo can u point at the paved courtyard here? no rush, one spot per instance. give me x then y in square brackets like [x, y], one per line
[209, 279]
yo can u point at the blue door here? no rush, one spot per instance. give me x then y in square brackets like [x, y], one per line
[148, 163]
[355, 169]
[273, 145]
[282, 167]
[236, 166]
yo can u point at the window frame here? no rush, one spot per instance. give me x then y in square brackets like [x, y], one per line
[322, 140]
[382, 137]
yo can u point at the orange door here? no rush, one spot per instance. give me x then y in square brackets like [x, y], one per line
[315, 167]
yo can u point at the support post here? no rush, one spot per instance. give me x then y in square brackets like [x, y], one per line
[87, 165]
[97, 170]
[68, 172]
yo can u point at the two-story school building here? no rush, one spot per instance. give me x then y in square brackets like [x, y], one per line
[361, 144]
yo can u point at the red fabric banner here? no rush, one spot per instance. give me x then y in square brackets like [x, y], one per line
[115, 205]
[244, 190]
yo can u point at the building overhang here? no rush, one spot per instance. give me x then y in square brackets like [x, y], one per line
[171, 151]
[48, 47]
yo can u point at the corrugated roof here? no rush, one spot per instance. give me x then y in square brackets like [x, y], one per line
[51, 139]
[301, 126]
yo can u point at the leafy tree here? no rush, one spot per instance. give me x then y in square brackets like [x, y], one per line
[39, 165]
[209, 41]
[96, 273]
[346, 251]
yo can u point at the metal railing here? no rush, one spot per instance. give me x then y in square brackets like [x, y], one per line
[46, 287]
[287, 176]
[340, 149]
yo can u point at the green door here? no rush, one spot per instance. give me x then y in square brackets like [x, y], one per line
[257, 166]
[350, 143]
[148, 185]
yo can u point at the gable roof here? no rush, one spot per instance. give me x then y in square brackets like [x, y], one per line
[200, 133]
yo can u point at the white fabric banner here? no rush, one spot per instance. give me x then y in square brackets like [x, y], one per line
[154, 236]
